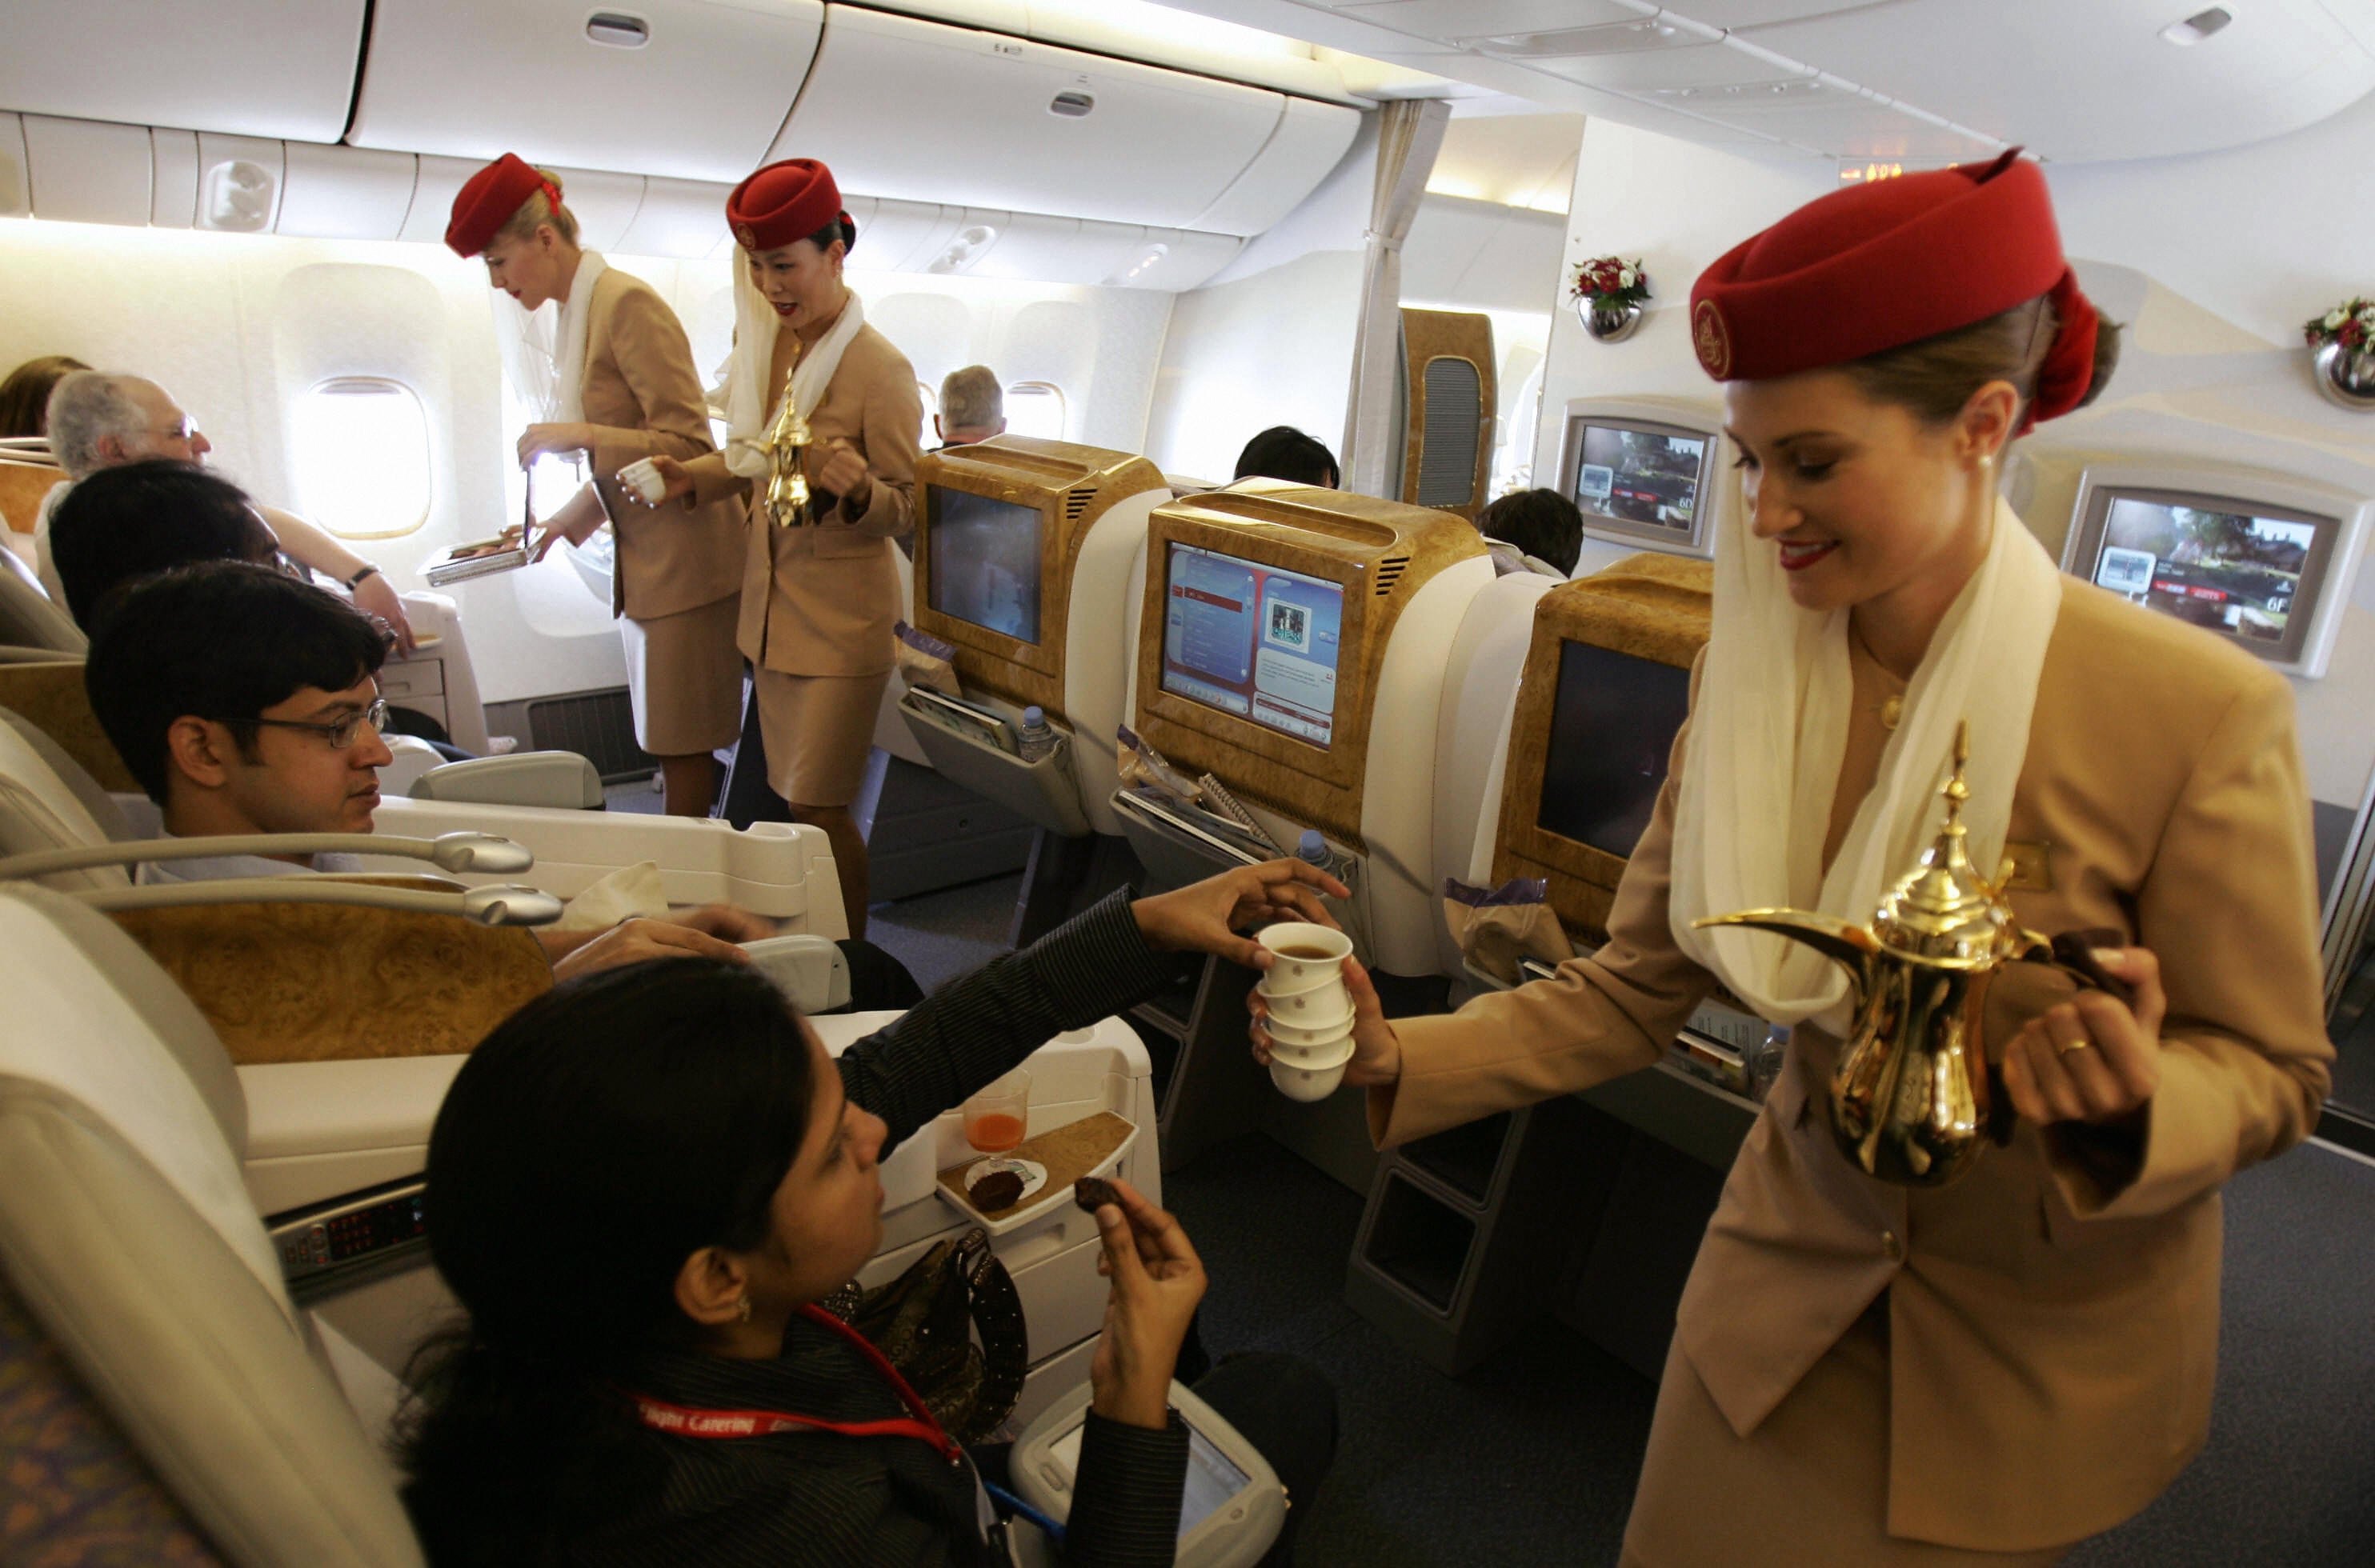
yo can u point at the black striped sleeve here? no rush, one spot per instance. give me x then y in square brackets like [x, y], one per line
[1126, 1499]
[975, 1028]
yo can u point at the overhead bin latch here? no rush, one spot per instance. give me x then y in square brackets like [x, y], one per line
[1073, 105]
[618, 29]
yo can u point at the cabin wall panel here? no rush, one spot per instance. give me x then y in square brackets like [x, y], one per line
[2214, 260]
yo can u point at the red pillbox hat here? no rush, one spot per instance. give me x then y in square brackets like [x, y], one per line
[782, 203]
[1875, 267]
[488, 198]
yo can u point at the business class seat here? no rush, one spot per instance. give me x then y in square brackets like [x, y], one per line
[28, 618]
[129, 1241]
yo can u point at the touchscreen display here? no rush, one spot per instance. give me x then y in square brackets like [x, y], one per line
[1612, 732]
[1254, 640]
[1212, 1477]
[1640, 477]
[2229, 572]
[984, 563]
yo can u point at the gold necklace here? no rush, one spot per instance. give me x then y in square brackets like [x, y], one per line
[1892, 708]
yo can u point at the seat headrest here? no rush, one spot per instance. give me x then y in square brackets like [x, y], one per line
[75, 1027]
[39, 808]
[28, 618]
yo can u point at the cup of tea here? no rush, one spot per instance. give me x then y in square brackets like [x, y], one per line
[1308, 956]
[998, 1117]
[1310, 1079]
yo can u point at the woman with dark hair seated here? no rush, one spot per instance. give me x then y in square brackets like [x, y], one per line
[647, 1179]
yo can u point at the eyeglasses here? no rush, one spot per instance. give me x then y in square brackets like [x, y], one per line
[341, 734]
[182, 429]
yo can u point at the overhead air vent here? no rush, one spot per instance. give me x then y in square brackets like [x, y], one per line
[970, 245]
[616, 29]
[1073, 105]
[1609, 38]
[1455, 414]
[1077, 503]
[2197, 27]
[1390, 572]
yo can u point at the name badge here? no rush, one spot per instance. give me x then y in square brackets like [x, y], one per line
[2026, 869]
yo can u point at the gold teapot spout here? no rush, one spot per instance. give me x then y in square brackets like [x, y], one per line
[1850, 946]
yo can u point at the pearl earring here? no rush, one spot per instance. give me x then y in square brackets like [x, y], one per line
[743, 1309]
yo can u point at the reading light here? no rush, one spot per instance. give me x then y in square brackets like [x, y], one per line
[1864, 173]
[966, 249]
[2197, 27]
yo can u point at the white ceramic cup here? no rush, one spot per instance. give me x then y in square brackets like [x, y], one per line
[1308, 1009]
[1310, 1081]
[1289, 974]
[644, 476]
[1306, 1036]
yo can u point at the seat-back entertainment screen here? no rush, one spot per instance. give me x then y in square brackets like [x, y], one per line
[2211, 563]
[1254, 640]
[984, 563]
[1641, 476]
[1612, 732]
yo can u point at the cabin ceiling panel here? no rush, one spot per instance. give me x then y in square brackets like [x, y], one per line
[699, 97]
[87, 171]
[1307, 141]
[1010, 123]
[678, 218]
[16, 199]
[345, 192]
[251, 67]
[2073, 81]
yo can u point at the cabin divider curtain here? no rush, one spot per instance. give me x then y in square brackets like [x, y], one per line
[1409, 134]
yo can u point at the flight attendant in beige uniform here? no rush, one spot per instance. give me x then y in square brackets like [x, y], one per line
[818, 597]
[616, 382]
[1989, 1371]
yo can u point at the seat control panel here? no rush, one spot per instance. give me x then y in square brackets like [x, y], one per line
[355, 1229]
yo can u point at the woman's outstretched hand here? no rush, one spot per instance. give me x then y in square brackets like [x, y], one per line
[1206, 917]
[1377, 1049]
[2092, 1058]
[672, 473]
[1157, 1280]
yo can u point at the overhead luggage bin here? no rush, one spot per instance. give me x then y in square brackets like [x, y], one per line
[1010, 123]
[246, 67]
[682, 88]
[1308, 141]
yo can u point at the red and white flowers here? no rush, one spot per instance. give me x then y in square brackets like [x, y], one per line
[1611, 283]
[2350, 323]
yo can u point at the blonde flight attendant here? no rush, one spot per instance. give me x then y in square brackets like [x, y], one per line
[1989, 1371]
[819, 594]
[616, 381]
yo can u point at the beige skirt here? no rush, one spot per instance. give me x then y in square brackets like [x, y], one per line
[1810, 1485]
[818, 729]
[684, 678]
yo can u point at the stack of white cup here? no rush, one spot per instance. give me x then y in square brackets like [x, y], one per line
[1310, 1021]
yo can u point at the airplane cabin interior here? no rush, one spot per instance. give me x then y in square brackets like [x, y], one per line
[1289, 556]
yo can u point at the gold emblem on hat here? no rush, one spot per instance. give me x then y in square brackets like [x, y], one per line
[1710, 337]
[747, 237]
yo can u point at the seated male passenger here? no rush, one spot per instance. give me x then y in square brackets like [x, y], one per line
[1537, 531]
[650, 1178]
[1283, 452]
[973, 407]
[245, 702]
[97, 420]
[122, 524]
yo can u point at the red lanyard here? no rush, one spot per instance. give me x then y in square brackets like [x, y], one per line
[686, 1421]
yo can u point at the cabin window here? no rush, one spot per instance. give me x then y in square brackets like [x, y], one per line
[362, 454]
[925, 435]
[1035, 408]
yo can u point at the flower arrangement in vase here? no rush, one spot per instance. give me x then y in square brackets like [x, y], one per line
[1608, 292]
[2343, 339]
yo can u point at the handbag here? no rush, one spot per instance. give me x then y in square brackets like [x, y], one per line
[924, 1322]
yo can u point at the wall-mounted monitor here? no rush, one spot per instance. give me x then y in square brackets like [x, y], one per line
[1268, 613]
[1606, 688]
[1644, 472]
[1000, 527]
[2261, 560]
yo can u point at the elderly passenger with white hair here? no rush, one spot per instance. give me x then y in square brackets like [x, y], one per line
[973, 407]
[98, 419]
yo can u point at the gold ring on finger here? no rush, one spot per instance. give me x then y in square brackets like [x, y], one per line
[2060, 1049]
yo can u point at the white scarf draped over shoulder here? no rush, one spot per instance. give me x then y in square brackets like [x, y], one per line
[1769, 735]
[544, 350]
[751, 403]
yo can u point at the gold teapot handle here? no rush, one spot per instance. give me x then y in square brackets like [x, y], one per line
[2071, 952]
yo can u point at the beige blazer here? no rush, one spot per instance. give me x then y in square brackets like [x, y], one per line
[820, 599]
[2053, 1316]
[643, 399]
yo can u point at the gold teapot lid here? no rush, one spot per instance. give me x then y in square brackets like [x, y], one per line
[1943, 912]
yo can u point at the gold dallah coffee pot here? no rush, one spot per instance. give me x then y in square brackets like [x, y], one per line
[787, 481]
[1912, 1098]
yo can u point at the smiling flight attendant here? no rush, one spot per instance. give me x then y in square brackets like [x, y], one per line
[1989, 1371]
[615, 380]
[819, 598]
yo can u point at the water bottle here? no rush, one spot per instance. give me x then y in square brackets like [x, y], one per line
[1312, 850]
[1765, 1062]
[1037, 738]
